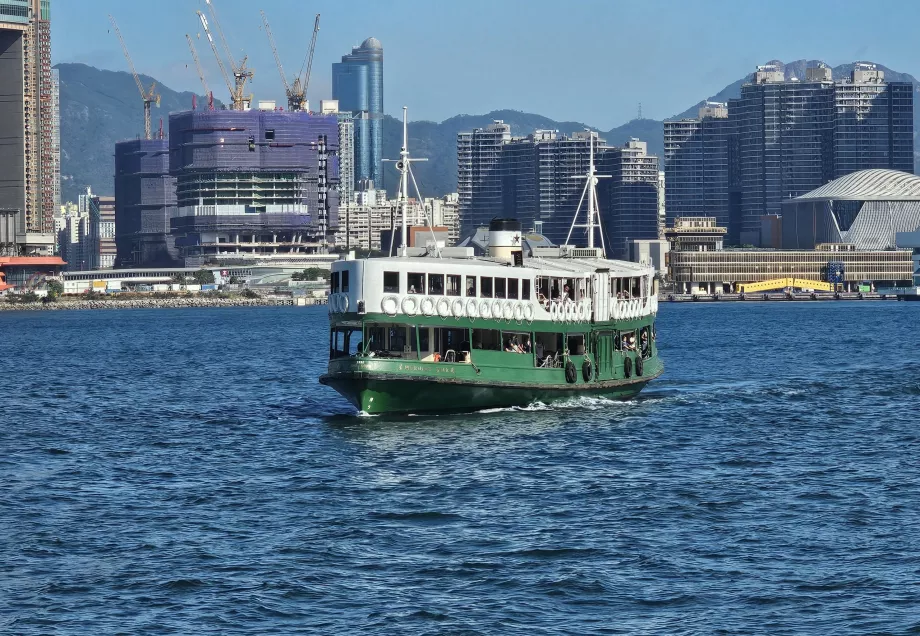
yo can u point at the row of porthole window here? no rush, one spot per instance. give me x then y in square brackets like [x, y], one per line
[453, 285]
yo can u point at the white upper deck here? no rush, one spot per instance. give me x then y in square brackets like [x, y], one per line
[557, 289]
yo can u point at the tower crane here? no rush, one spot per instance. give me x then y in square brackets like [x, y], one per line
[204, 82]
[149, 97]
[306, 76]
[296, 92]
[241, 73]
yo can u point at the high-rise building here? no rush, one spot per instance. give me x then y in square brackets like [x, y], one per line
[696, 164]
[535, 179]
[629, 198]
[479, 182]
[357, 84]
[346, 150]
[253, 184]
[783, 138]
[874, 122]
[56, 137]
[145, 201]
[28, 167]
[102, 248]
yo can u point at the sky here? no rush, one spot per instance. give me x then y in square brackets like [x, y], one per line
[592, 61]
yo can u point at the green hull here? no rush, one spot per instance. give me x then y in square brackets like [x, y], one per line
[377, 395]
[399, 387]
[494, 379]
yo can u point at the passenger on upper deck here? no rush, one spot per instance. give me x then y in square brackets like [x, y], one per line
[411, 289]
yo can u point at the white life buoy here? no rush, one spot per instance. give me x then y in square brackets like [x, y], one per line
[444, 308]
[389, 305]
[518, 312]
[485, 309]
[410, 306]
[343, 304]
[554, 311]
[426, 306]
[508, 310]
[528, 312]
[569, 311]
[472, 309]
[456, 308]
[497, 309]
[337, 304]
[586, 306]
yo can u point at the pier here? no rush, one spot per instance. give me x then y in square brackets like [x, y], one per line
[775, 296]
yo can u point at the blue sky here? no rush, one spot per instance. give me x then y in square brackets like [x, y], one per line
[584, 60]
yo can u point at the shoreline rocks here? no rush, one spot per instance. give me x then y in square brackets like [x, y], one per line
[150, 303]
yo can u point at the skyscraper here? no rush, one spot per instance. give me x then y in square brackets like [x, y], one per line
[535, 179]
[697, 166]
[27, 154]
[357, 83]
[784, 138]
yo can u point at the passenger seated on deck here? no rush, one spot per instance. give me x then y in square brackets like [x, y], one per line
[526, 346]
[411, 289]
[509, 346]
[566, 294]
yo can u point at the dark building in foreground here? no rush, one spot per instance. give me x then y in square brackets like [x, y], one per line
[145, 200]
[254, 184]
[783, 138]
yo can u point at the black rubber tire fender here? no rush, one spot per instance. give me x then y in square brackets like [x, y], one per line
[639, 365]
[627, 367]
[571, 375]
[586, 370]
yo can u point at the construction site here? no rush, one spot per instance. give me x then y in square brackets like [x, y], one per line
[248, 181]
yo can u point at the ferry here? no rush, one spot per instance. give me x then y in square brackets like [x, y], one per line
[441, 329]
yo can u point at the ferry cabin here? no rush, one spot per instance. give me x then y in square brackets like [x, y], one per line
[492, 322]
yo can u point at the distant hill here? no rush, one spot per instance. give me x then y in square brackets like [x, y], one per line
[100, 107]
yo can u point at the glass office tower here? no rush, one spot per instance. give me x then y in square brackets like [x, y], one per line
[357, 82]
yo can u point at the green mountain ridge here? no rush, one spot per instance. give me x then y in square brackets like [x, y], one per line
[101, 107]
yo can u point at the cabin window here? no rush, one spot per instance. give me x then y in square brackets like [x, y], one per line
[391, 282]
[471, 286]
[525, 289]
[424, 339]
[485, 287]
[543, 288]
[576, 344]
[344, 342]
[416, 283]
[516, 342]
[513, 284]
[396, 338]
[436, 284]
[499, 287]
[547, 348]
[636, 287]
[453, 285]
[487, 339]
[345, 281]
[269, 134]
[334, 285]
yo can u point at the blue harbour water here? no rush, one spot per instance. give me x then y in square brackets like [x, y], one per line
[181, 472]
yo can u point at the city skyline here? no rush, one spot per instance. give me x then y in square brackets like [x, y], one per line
[471, 59]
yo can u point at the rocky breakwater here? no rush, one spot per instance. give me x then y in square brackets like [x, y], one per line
[143, 303]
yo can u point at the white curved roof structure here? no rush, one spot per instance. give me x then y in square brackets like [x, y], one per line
[868, 185]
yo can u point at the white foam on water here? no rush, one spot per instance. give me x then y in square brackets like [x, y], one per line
[366, 414]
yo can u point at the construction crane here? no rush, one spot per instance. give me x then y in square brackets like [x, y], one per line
[150, 97]
[191, 48]
[306, 76]
[204, 82]
[241, 74]
[296, 92]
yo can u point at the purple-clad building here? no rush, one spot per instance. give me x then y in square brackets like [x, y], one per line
[259, 184]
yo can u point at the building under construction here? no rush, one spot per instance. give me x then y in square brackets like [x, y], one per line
[28, 161]
[257, 184]
[145, 201]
